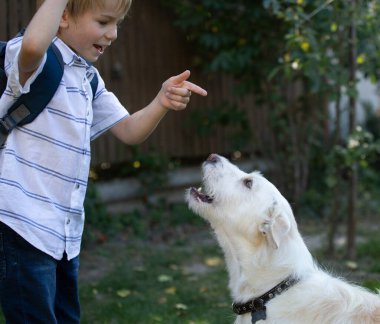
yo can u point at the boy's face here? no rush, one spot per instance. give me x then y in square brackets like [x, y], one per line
[91, 33]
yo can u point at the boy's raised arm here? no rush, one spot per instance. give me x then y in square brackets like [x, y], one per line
[38, 36]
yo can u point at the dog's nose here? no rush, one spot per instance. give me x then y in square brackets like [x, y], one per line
[213, 158]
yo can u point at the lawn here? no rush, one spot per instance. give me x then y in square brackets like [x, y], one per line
[158, 266]
[164, 266]
[140, 281]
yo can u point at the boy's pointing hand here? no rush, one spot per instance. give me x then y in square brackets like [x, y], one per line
[176, 91]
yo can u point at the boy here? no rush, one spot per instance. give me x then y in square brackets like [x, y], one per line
[44, 165]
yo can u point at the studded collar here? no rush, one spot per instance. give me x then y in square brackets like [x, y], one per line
[257, 305]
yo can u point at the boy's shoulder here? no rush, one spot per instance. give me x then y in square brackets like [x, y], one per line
[29, 105]
[3, 47]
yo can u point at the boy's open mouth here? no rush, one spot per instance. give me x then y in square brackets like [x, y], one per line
[99, 48]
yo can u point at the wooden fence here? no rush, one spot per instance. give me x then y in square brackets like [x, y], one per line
[150, 49]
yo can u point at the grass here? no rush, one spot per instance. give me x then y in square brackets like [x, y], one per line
[161, 266]
[159, 283]
[164, 266]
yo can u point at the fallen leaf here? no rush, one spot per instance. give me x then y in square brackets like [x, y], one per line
[157, 319]
[171, 290]
[139, 269]
[352, 265]
[162, 300]
[164, 278]
[203, 289]
[222, 305]
[180, 306]
[123, 293]
[214, 261]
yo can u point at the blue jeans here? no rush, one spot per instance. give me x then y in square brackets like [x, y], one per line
[34, 287]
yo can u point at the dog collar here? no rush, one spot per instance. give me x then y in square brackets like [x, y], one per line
[257, 305]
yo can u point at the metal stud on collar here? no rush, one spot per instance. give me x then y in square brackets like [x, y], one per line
[257, 305]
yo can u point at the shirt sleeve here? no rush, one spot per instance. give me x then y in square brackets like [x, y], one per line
[14, 89]
[107, 110]
[11, 59]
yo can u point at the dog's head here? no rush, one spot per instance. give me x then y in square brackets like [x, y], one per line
[244, 204]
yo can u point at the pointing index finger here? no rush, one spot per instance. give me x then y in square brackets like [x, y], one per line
[180, 80]
[195, 88]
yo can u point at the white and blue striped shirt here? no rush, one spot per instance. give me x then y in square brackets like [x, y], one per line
[44, 165]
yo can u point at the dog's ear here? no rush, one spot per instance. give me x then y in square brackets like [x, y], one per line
[275, 227]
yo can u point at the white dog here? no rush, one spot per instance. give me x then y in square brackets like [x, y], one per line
[272, 275]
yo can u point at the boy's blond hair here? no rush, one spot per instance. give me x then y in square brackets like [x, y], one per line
[78, 7]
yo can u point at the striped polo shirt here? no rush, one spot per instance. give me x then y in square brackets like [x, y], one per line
[44, 165]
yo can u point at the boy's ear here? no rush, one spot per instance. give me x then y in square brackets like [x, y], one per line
[64, 23]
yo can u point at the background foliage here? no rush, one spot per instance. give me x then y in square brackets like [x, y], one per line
[296, 57]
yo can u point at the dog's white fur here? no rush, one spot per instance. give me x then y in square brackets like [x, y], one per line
[255, 227]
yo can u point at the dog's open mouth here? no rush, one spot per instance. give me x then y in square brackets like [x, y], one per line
[198, 195]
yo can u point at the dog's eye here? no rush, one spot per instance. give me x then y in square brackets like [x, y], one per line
[248, 183]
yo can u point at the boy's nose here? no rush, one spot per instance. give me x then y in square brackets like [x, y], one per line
[111, 34]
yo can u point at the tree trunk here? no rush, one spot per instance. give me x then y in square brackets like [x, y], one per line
[352, 217]
[334, 216]
[353, 174]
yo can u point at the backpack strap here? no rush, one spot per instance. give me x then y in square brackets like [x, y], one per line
[3, 76]
[29, 105]
[94, 85]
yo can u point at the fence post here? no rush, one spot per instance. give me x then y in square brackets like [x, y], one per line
[3, 20]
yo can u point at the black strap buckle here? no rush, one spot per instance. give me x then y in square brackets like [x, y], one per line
[11, 120]
[6, 125]
[4, 131]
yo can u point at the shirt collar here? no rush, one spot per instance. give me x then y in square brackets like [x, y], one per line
[72, 59]
[69, 57]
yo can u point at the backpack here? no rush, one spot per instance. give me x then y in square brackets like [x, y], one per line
[29, 105]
